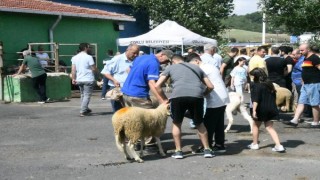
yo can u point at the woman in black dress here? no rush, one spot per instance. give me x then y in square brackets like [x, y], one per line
[263, 96]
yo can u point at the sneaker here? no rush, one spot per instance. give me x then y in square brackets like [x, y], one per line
[199, 150]
[103, 98]
[290, 123]
[86, 113]
[48, 100]
[208, 153]
[314, 125]
[41, 102]
[279, 149]
[220, 149]
[177, 155]
[192, 125]
[253, 146]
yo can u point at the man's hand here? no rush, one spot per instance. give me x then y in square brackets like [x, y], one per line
[116, 83]
[74, 82]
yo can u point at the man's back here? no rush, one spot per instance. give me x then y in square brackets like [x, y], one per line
[83, 63]
[185, 82]
[275, 66]
[257, 62]
[144, 68]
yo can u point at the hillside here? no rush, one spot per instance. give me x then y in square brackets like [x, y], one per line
[250, 22]
[245, 36]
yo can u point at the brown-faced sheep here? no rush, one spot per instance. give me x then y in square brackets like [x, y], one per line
[134, 123]
[236, 105]
[283, 97]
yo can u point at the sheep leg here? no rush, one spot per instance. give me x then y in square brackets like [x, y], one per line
[122, 147]
[288, 102]
[133, 152]
[229, 110]
[141, 147]
[160, 147]
[246, 116]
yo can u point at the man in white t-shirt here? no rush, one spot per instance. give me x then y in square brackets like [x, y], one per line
[216, 103]
[42, 56]
[207, 56]
[83, 69]
[217, 58]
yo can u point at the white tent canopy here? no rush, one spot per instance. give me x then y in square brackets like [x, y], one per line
[168, 33]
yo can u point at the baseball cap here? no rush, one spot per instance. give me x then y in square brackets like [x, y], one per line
[168, 53]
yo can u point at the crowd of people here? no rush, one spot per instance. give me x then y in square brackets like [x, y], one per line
[201, 82]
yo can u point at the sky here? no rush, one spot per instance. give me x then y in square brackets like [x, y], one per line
[242, 7]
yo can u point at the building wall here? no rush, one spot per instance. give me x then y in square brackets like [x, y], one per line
[140, 26]
[18, 29]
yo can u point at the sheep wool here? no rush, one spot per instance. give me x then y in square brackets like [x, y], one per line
[134, 123]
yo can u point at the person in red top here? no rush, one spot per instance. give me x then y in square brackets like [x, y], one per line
[310, 90]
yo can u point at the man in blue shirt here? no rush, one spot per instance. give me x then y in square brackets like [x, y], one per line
[296, 74]
[142, 78]
[116, 70]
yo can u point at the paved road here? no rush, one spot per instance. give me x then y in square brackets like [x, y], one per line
[51, 141]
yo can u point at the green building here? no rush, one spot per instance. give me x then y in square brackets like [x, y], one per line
[40, 21]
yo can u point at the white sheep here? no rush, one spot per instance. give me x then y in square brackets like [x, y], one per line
[237, 105]
[135, 123]
[283, 98]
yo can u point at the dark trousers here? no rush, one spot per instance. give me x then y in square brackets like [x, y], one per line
[116, 105]
[214, 122]
[39, 84]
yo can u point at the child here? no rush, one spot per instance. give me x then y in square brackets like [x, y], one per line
[263, 96]
[239, 75]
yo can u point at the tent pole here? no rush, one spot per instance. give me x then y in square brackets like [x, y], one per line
[182, 49]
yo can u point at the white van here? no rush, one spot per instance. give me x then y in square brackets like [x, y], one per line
[306, 37]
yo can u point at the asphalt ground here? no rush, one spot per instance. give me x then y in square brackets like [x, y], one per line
[51, 141]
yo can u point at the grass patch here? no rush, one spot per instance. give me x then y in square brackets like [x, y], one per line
[245, 36]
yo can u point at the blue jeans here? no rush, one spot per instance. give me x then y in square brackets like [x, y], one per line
[105, 87]
[86, 89]
[310, 94]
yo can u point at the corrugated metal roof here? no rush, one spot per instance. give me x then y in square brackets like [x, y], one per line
[53, 8]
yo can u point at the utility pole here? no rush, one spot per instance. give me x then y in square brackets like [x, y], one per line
[264, 28]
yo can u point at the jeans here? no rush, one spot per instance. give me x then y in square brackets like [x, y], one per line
[86, 89]
[39, 84]
[105, 87]
[310, 94]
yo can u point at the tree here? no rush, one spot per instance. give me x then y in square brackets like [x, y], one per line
[201, 16]
[249, 22]
[298, 16]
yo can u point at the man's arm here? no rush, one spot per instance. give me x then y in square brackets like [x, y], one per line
[157, 90]
[21, 68]
[110, 77]
[73, 74]
[289, 68]
[223, 66]
[209, 85]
